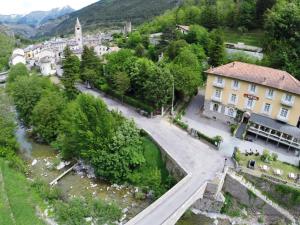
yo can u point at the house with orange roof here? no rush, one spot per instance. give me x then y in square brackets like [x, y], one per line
[263, 101]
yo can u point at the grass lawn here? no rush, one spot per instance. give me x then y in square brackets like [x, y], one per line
[286, 168]
[19, 200]
[254, 38]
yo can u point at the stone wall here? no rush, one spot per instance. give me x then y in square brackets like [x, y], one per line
[247, 197]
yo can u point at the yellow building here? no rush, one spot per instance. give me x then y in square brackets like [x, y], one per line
[265, 101]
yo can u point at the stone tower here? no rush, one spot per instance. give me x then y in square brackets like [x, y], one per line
[78, 34]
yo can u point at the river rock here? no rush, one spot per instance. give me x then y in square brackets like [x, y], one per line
[61, 166]
[125, 210]
[34, 162]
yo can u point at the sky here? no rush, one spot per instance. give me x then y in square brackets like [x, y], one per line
[26, 6]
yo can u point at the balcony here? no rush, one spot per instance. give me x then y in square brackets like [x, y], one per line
[287, 103]
[219, 85]
[216, 99]
[282, 119]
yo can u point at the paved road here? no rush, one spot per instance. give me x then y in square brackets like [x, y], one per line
[199, 161]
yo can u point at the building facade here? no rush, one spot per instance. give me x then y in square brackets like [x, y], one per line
[267, 100]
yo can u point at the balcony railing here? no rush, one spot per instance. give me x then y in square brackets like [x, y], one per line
[281, 118]
[286, 102]
[216, 99]
[219, 85]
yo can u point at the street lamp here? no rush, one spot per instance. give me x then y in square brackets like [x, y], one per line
[173, 95]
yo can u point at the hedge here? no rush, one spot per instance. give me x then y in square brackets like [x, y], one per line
[181, 124]
[126, 99]
[213, 140]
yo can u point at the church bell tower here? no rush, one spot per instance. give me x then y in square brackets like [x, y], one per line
[78, 34]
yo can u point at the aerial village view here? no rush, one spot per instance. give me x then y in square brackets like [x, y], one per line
[157, 112]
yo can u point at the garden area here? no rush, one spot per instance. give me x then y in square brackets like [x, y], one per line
[268, 164]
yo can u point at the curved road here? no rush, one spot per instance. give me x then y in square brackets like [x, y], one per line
[197, 159]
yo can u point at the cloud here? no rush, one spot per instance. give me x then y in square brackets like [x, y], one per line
[26, 6]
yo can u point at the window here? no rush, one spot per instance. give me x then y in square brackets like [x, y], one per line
[288, 98]
[253, 88]
[219, 80]
[235, 84]
[218, 93]
[233, 98]
[250, 104]
[231, 112]
[270, 93]
[284, 112]
[267, 108]
[216, 107]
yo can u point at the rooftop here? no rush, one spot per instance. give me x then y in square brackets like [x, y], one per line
[266, 76]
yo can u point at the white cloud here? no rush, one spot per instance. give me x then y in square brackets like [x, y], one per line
[26, 6]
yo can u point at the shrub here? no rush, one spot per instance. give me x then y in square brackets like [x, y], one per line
[266, 157]
[181, 124]
[274, 157]
[237, 155]
[45, 191]
[233, 128]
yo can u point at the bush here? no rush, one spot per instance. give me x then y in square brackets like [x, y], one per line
[274, 157]
[233, 128]
[46, 192]
[237, 155]
[181, 124]
[266, 157]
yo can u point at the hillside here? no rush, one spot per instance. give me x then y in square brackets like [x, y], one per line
[6, 45]
[114, 12]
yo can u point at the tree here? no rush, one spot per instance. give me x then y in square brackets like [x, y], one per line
[108, 141]
[71, 65]
[140, 50]
[187, 73]
[26, 92]
[216, 50]
[247, 14]
[90, 67]
[209, 17]
[17, 71]
[175, 48]
[134, 39]
[261, 8]
[198, 35]
[282, 26]
[46, 115]
[158, 87]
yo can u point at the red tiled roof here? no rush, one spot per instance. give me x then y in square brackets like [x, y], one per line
[260, 75]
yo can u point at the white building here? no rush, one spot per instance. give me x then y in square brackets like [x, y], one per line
[18, 56]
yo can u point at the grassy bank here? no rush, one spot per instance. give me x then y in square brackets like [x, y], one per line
[152, 175]
[18, 201]
[255, 38]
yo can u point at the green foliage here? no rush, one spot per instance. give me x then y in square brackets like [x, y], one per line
[152, 175]
[76, 210]
[237, 155]
[18, 202]
[71, 66]
[229, 207]
[26, 92]
[198, 35]
[46, 192]
[282, 26]
[216, 51]
[274, 157]
[134, 39]
[266, 156]
[6, 46]
[109, 142]
[90, 66]
[293, 194]
[121, 82]
[241, 57]
[17, 71]
[46, 115]
[181, 124]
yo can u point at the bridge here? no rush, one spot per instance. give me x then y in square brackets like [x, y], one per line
[3, 76]
[199, 162]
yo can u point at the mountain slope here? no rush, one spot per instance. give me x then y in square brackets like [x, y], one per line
[114, 12]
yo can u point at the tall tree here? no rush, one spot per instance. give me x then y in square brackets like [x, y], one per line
[46, 115]
[90, 67]
[121, 82]
[71, 65]
[216, 50]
